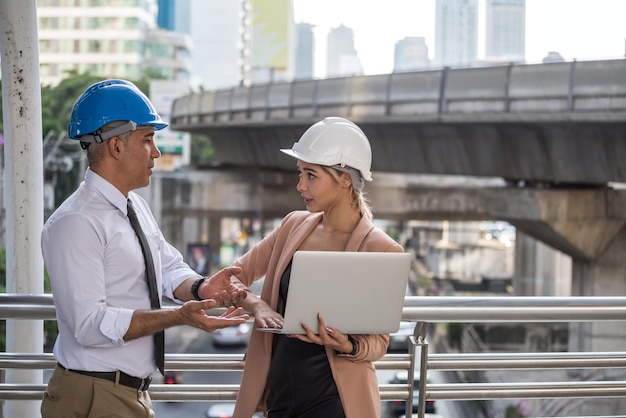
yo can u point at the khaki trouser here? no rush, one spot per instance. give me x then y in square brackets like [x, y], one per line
[73, 395]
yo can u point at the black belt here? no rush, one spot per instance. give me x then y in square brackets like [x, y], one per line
[124, 379]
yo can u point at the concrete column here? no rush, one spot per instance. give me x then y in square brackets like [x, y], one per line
[215, 241]
[524, 280]
[21, 103]
[605, 276]
[540, 270]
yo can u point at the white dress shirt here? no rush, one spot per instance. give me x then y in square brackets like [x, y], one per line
[97, 272]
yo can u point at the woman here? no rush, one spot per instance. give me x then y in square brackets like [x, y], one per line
[323, 373]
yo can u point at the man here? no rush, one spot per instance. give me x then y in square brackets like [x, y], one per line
[109, 272]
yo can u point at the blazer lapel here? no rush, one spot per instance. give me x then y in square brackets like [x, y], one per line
[296, 237]
[360, 233]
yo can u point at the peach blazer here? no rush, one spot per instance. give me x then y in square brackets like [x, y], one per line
[355, 375]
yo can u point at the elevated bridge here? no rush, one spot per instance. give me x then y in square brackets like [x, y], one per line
[554, 125]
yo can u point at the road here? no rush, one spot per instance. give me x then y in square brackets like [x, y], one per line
[196, 342]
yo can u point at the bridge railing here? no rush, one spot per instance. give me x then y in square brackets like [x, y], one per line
[424, 311]
[577, 86]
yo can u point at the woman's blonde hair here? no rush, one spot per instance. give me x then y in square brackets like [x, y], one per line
[358, 198]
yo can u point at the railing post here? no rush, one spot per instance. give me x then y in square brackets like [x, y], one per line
[570, 86]
[230, 104]
[314, 104]
[418, 339]
[507, 88]
[388, 94]
[442, 90]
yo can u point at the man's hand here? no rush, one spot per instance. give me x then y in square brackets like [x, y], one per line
[193, 313]
[220, 288]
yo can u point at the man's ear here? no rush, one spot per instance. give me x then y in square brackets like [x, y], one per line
[115, 146]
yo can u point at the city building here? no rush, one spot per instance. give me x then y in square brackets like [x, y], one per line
[112, 40]
[342, 58]
[167, 12]
[271, 35]
[456, 33]
[221, 43]
[505, 31]
[305, 51]
[553, 56]
[410, 54]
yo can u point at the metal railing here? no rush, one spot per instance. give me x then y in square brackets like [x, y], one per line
[576, 86]
[422, 310]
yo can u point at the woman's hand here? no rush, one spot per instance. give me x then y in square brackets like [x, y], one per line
[265, 316]
[326, 336]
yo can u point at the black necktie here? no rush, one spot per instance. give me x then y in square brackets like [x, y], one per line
[159, 337]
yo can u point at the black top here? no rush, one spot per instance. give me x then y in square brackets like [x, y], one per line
[300, 377]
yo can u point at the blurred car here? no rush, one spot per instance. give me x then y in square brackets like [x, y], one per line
[225, 410]
[172, 377]
[399, 407]
[232, 336]
[399, 341]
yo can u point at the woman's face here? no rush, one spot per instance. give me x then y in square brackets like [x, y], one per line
[318, 188]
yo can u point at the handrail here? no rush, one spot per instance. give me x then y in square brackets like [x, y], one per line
[179, 361]
[433, 309]
[423, 310]
[432, 92]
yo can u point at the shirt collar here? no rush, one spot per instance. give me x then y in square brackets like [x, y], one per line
[106, 189]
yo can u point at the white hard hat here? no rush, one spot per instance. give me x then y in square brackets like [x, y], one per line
[335, 141]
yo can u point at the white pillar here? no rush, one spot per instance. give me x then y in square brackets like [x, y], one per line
[21, 103]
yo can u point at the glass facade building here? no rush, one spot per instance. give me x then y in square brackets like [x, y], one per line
[114, 38]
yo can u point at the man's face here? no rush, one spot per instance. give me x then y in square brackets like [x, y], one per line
[138, 157]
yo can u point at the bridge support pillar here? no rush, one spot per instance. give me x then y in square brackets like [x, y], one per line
[540, 270]
[604, 276]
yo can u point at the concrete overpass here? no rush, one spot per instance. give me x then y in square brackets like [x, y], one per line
[554, 134]
[552, 124]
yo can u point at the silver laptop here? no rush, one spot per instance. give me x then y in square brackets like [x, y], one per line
[354, 292]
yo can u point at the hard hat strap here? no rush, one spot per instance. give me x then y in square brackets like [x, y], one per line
[99, 136]
[357, 180]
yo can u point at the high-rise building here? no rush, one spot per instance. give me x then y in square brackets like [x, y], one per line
[411, 53]
[174, 15]
[341, 55]
[456, 33]
[305, 51]
[217, 30]
[167, 14]
[505, 31]
[271, 53]
[236, 42]
[113, 42]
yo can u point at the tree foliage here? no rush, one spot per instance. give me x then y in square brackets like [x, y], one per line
[201, 150]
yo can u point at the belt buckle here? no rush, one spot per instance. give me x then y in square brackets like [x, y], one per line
[145, 383]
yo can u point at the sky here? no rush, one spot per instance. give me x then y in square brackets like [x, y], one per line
[577, 29]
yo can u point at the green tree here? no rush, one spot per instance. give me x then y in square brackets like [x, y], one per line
[202, 152]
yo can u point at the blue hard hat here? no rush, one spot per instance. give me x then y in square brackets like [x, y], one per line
[109, 101]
